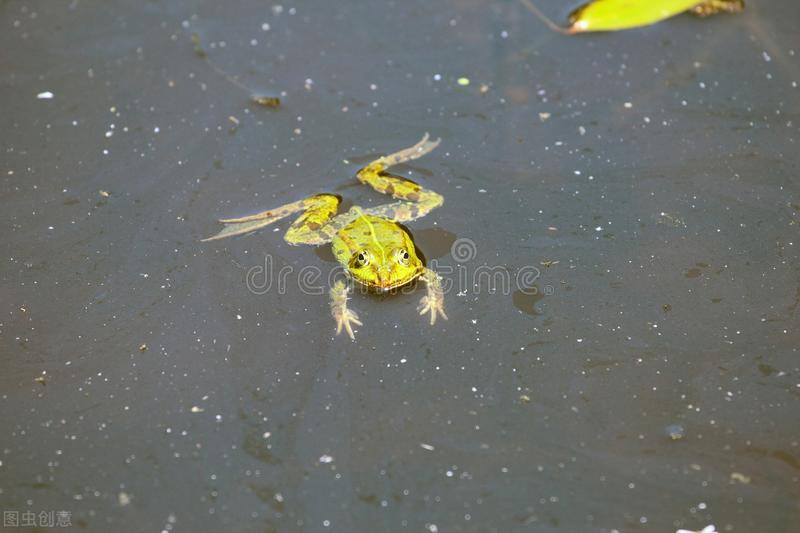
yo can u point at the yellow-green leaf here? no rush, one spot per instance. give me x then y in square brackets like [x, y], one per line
[612, 15]
[609, 15]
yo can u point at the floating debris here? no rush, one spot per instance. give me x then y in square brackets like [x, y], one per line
[428, 447]
[46, 95]
[463, 81]
[670, 220]
[143, 348]
[675, 431]
[41, 380]
[740, 478]
[266, 100]
[198, 48]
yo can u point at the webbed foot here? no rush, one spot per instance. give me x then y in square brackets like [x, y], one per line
[433, 301]
[345, 318]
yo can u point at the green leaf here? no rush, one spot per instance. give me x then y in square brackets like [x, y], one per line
[613, 15]
[610, 15]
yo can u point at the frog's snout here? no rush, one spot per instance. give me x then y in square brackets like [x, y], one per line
[384, 277]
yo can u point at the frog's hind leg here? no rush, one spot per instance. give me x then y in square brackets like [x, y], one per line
[711, 7]
[313, 227]
[308, 228]
[424, 146]
[415, 201]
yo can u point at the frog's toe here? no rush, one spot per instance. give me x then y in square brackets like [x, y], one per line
[345, 320]
[434, 306]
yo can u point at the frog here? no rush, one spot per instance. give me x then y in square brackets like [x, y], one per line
[370, 243]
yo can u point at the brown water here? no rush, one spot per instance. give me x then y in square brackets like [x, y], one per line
[622, 349]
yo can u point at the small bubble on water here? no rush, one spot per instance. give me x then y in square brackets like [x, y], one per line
[675, 431]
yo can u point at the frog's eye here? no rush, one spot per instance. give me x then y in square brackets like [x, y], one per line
[362, 259]
[402, 256]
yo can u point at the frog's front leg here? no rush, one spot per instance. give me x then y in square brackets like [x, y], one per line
[433, 301]
[344, 317]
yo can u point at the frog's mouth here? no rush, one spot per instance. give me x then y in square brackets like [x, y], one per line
[385, 288]
[382, 288]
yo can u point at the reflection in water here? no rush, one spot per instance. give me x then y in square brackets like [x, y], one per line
[526, 300]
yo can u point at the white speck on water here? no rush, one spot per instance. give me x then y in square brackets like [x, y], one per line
[267, 435]
[599, 228]
[156, 129]
[428, 447]
[46, 95]
[238, 317]
[437, 77]
[326, 459]
[766, 56]
[628, 105]
[265, 27]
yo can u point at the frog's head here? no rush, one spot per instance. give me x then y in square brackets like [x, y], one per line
[385, 268]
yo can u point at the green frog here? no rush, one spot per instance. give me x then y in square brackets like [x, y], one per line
[371, 245]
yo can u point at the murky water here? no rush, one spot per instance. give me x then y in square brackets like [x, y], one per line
[622, 349]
